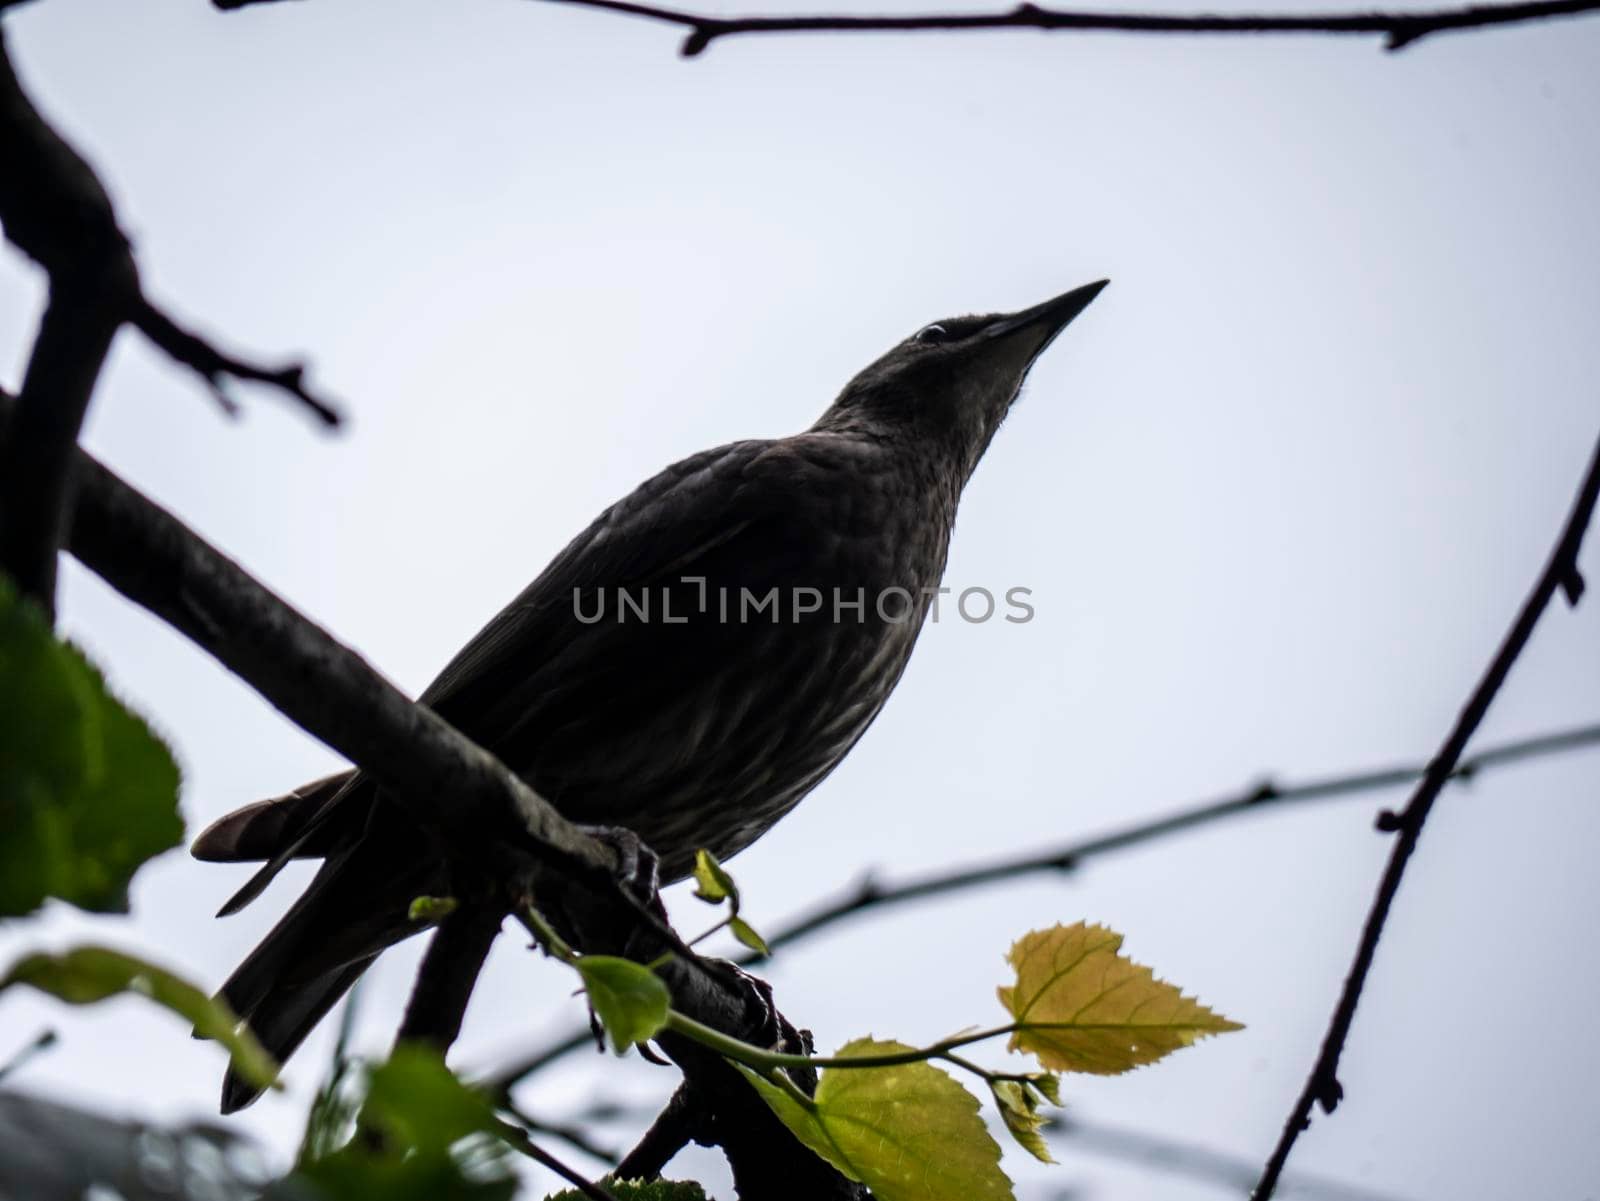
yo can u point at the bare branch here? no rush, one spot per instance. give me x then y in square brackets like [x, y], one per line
[1398, 29]
[1560, 574]
[214, 366]
[519, 1139]
[871, 895]
[576, 1136]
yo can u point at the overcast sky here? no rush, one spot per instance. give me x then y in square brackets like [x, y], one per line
[1277, 494]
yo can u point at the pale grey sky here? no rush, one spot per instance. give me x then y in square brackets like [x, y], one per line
[1277, 494]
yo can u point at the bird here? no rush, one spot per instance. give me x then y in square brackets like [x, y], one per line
[687, 669]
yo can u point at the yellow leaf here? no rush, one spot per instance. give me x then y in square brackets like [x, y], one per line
[1085, 1008]
[909, 1133]
[1019, 1109]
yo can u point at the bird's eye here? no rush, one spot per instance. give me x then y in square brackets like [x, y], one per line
[931, 333]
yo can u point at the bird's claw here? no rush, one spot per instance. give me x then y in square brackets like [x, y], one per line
[638, 868]
[763, 1024]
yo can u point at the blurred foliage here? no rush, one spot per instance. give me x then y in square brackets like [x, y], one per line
[331, 1121]
[87, 792]
[418, 1134]
[86, 975]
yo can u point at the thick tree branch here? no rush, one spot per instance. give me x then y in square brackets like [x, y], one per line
[444, 780]
[872, 895]
[1560, 574]
[1397, 28]
[55, 211]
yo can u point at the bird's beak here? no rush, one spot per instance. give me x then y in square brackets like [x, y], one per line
[1031, 330]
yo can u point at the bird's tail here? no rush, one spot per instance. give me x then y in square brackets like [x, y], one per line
[357, 905]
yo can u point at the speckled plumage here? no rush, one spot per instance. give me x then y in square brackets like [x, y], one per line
[697, 732]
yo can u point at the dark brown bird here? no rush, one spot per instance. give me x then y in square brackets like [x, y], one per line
[688, 668]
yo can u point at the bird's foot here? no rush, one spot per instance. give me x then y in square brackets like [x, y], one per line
[763, 1025]
[638, 868]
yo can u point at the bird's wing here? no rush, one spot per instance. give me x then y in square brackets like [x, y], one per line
[657, 532]
[548, 692]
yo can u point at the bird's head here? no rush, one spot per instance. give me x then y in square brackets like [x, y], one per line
[949, 385]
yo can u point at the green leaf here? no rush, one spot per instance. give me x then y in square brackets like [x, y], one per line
[87, 792]
[430, 910]
[629, 999]
[85, 975]
[745, 933]
[1019, 1109]
[909, 1133]
[1085, 1008]
[712, 882]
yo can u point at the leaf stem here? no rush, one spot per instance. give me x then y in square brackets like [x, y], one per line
[764, 1061]
[545, 935]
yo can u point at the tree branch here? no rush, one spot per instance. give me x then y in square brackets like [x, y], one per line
[55, 211]
[449, 971]
[871, 895]
[1560, 574]
[1398, 29]
[671, 1131]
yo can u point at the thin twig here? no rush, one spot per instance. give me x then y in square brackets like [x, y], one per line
[518, 1138]
[1398, 29]
[1560, 574]
[214, 366]
[871, 895]
[576, 1136]
[42, 1041]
